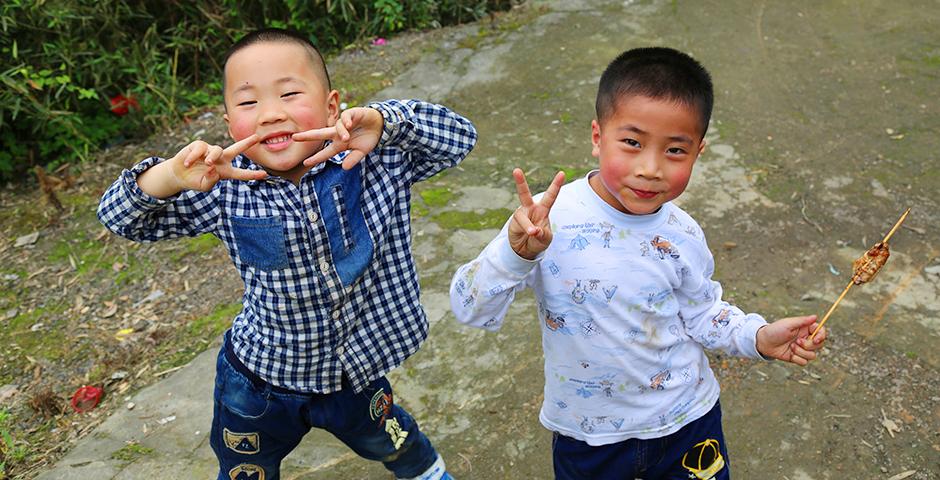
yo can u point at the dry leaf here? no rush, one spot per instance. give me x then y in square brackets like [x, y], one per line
[111, 309]
[903, 475]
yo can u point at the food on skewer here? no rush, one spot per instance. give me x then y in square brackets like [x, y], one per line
[865, 268]
[868, 265]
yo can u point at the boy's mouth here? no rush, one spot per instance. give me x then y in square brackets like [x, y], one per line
[643, 193]
[277, 141]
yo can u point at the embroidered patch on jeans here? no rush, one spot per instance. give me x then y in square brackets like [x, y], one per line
[246, 443]
[380, 405]
[246, 471]
[704, 460]
[395, 432]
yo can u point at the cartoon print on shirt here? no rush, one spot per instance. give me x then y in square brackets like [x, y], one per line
[609, 292]
[660, 380]
[578, 294]
[554, 321]
[606, 232]
[464, 286]
[664, 247]
[579, 243]
[553, 268]
[673, 220]
[721, 319]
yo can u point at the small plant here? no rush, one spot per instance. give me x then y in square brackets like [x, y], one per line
[10, 452]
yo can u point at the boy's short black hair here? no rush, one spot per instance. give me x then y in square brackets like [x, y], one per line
[656, 72]
[285, 36]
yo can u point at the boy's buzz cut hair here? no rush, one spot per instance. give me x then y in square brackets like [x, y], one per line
[656, 72]
[281, 35]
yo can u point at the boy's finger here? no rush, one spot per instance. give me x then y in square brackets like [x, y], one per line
[352, 158]
[552, 193]
[240, 146]
[523, 220]
[818, 339]
[213, 155]
[196, 151]
[802, 352]
[522, 188]
[342, 130]
[323, 155]
[232, 173]
[325, 133]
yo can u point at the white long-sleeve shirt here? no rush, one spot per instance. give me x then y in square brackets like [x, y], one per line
[627, 306]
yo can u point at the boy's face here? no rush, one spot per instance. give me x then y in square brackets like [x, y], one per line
[646, 149]
[272, 89]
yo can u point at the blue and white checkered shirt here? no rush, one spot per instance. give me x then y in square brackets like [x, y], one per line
[330, 282]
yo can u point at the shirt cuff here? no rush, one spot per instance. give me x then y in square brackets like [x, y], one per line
[396, 116]
[512, 263]
[748, 336]
[140, 198]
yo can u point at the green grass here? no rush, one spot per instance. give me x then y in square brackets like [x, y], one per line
[195, 246]
[131, 452]
[473, 221]
[437, 197]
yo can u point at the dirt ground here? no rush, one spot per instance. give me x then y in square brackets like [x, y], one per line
[824, 131]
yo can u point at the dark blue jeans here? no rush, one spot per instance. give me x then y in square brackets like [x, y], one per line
[696, 451]
[255, 425]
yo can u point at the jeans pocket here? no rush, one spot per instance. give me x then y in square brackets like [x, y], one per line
[241, 397]
[260, 241]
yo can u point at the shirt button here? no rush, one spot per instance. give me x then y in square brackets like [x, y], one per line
[324, 268]
[336, 313]
[340, 349]
[313, 217]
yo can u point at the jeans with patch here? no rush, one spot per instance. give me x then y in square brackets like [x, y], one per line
[255, 425]
[696, 451]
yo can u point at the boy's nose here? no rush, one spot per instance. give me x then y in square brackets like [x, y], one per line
[272, 115]
[647, 165]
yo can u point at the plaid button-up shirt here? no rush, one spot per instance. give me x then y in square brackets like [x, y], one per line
[330, 282]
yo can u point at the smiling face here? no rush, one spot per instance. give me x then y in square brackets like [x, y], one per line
[273, 89]
[646, 148]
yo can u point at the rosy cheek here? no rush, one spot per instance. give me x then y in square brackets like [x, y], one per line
[241, 129]
[679, 181]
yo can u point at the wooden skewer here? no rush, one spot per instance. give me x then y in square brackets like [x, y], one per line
[896, 225]
[852, 282]
[833, 307]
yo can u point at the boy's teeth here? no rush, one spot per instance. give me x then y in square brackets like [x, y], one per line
[282, 138]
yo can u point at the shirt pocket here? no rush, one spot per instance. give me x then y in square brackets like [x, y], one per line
[261, 242]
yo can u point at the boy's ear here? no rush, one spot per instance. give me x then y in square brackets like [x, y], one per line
[701, 147]
[332, 106]
[595, 139]
[229, 125]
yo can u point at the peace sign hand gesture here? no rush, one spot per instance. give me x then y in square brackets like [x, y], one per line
[358, 130]
[199, 165]
[530, 231]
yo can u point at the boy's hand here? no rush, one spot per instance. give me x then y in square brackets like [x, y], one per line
[530, 231]
[787, 339]
[357, 130]
[199, 166]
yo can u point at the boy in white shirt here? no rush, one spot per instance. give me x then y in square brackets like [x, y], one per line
[623, 282]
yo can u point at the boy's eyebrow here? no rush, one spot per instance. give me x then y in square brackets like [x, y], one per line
[674, 138]
[248, 86]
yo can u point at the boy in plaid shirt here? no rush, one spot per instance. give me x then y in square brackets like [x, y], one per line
[313, 206]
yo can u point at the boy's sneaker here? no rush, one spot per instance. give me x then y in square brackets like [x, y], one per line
[437, 471]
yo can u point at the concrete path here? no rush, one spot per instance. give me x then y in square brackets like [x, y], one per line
[824, 131]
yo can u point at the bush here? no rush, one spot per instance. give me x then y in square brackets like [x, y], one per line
[83, 74]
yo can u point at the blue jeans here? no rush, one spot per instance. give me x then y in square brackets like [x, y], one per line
[696, 451]
[255, 425]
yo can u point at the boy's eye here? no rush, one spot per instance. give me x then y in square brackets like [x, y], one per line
[290, 94]
[632, 142]
[247, 103]
[675, 151]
